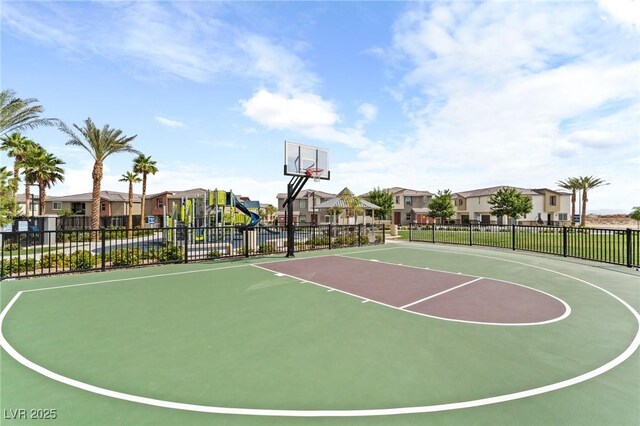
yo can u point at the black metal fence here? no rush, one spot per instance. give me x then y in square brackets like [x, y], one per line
[616, 246]
[34, 253]
[84, 222]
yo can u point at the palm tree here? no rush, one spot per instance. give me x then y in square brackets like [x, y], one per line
[132, 178]
[17, 146]
[21, 114]
[100, 144]
[144, 165]
[46, 172]
[571, 184]
[587, 183]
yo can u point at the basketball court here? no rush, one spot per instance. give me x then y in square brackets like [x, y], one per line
[399, 334]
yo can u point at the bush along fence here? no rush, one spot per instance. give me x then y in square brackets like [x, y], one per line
[36, 253]
[616, 246]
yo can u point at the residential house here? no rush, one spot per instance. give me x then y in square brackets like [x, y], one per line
[305, 207]
[409, 205]
[550, 207]
[114, 206]
[34, 205]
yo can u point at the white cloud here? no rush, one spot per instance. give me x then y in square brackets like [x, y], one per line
[168, 122]
[275, 64]
[626, 12]
[489, 89]
[279, 111]
[368, 111]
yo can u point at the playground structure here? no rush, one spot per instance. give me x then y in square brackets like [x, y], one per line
[214, 216]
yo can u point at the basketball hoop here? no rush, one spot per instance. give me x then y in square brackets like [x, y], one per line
[314, 173]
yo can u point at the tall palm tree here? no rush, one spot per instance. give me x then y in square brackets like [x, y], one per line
[571, 184]
[132, 178]
[17, 147]
[21, 114]
[45, 170]
[100, 144]
[144, 165]
[587, 183]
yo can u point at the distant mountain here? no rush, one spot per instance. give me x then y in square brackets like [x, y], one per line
[606, 212]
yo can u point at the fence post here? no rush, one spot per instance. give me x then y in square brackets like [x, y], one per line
[103, 234]
[245, 239]
[564, 241]
[433, 232]
[629, 248]
[330, 234]
[513, 236]
[185, 235]
[384, 238]
[359, 233]
[470, 234]
[410, 231]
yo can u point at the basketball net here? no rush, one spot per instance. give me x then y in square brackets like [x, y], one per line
[314, 173]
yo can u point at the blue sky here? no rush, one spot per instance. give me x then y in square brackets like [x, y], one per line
[453, 95]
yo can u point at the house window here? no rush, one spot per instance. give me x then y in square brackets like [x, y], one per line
[78, 208]
[327, 218]
[407, 201]
[103, 206]
[159, 203]
[563, 216]
[397, 199]
[57, 205]
[303, 219]
[408, 217]
[303, 204]
[553, 200]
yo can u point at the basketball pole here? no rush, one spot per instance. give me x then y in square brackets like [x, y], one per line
[293, 189]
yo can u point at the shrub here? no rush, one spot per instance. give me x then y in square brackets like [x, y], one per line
[319, 241]
[267, 248]
[54, 260]
[16, 265]
[125, 257]
[12, 247]
[215, 254]
[81, 259]
[170, 254]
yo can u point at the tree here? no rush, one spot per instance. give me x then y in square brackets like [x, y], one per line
[21, 114]
[441, 205]
[17, 147]
[100, 144]
[132, 178]
[571, 184]
[46, 171]
[383, 199]
[510, 202]
[270, 211]
[587, 183]
[635, 215]
[8, 206]
[351, 202]
[144, 165]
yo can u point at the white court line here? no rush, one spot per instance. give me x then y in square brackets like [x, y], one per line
[635, 343]
[441, 293]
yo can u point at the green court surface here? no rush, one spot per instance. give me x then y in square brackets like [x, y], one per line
[232, 343]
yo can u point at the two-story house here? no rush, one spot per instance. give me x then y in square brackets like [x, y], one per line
[549, 207]
[113, 204]
[409, 205]
[305, 210]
